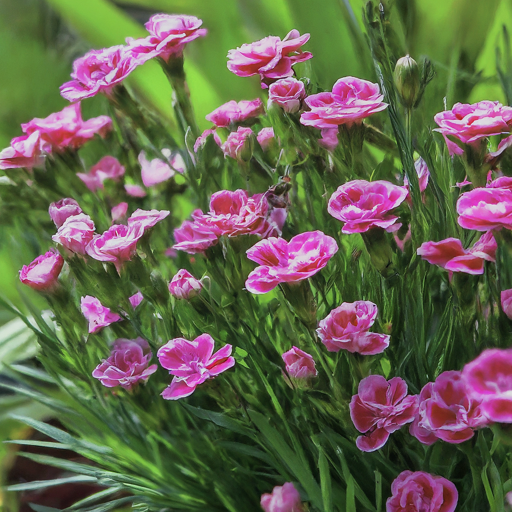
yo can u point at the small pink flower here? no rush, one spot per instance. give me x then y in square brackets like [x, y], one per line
[62, 209]
[489, 379]
[362, 205]
[423, 174]
[446, 411]
[193, 238]
[422, 492]
[155, 171]
[24, 151]
[265, 138]
[233, 112]
[99, 71]
[76, 232]
[96, 314]
[184, 285]
[67, 129]
[329, 138]
[136, 299]
[147, 218]
[192, 363]
[107, 168]
[288, 93]
[380, 408]
[175, 160]
[506, 302]
[299, 364]
[270, 57]
[288, 262]
[127, 364]
[237, 144]
[135, 191]
[43, 272]
[347, 327]
[119, 211]
[283, 498]
[350, 101]
[201, 140]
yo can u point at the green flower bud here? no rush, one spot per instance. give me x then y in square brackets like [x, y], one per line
[407, 80]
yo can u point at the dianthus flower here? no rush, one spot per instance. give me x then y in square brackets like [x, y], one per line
[43, 272]
[233, 112]
[299, 364]
[184, 285]
[154, 171]
[107, 168]
[24, 151]
[62, 209]
[238, 145]
[97, 314]
[76, 233]
[287, 93]
[284, 498]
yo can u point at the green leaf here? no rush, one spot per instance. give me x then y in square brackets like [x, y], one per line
[43, 484]
[220, 419]
[325, 480]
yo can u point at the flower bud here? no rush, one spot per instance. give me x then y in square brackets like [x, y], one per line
[61, 210]
[184, 285]
[407, 80]
[43, 272]
[299, 364]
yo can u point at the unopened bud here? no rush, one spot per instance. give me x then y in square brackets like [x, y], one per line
[407, 80]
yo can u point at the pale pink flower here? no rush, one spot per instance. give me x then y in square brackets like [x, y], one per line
[283, 498]
[423, 174]
[62, 209]
[127, 364]
[147, 218]
[237, 144]
[422, 492]
[192, 363]
[136, 299]
[329, 138]
[201, 140]
[347, 327]
[265, 138]
[119, 211]
[380, 408]
[42, 274]
[155, 171]
[76, 233]
[24, 151]
[299, 364]
[97, 314]
[287, 93]
[135, 190]
[184, 285]
[192, 238]
[506, 302]
[350, 101]
[363, 205]
[175, 160]
[107, 168]
[233, 112]
[288, 262]
[270, 57]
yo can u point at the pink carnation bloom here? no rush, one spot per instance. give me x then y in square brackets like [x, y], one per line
[265, 138]
[155, 171]
[506, 302]
[24, 151]
[119, 211]
[62, 209]
[423, 174]
[287, 93]
[201, 140]
[288, 262]
[363, 205]
[184, 285]
[107, 168]
[350, 101]
[99, 71]
[270, 57]
[233, 112]
[96, 314]
[76, 233]
[67, 129]
[237, 144]
[347, 327]
[329, 138]
[192, 363]
[299, 364]
[489, 379]
[43, 272]
[422, 492]
[147, 218]
[136, 299]
[380, 408]
[127, 364]
[135, 191]
[446, 411]
[193, 238]
[283, 498]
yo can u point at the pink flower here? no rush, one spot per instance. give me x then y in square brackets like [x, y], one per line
[506, 302]
[483, 209]
[135, 191]
[201, 140]
[283, 498]
[136, 299]
[270, 57]
[43, 272]
[67, 129]
[233, 112]
[423, 174]
[489, 379]
[237, 144]
[288, 93]
[107, 168]
[155, 171]
[184, 285]
[127, 364]
[299, 364]
[265, 137]
[99, 71]
[288, 262]
[380, 408]
[147, 218]
[119, 211]
[446, 411]
[350, 101]
[62, 209]
[175, 160]
[24, 151]
[329, 138]
[192, 363]
[76, 232]
[422, 492]
[96, 314]
[347, 326]
[192, 238]
[362, 205]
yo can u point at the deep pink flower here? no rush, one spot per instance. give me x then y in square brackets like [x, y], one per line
[193, 238]
[184, 285]
[147, 218]
[446, 411]
[299, 364]
[283, 498]
[270, 57]
[76, 232]
[97, 314]
[362, 205]
[489, 379]
[422, 492]
[506, 302]
[127, 364]
[329, 138]
[62, 209]
[107, 168]
[119, 211]
[288, 93]
[237, 144]
[380, 408]
[192, 363]
[347, 327]
[350, 101]
[288, 262]
[201, 140]
[99, 71]
[233, 112]
[67, 129]
[136, 299]
[135, 191]
[423, 174]
[501, 182]
[24, 151]
[155, 171]
[265, 137]
[43, 272]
